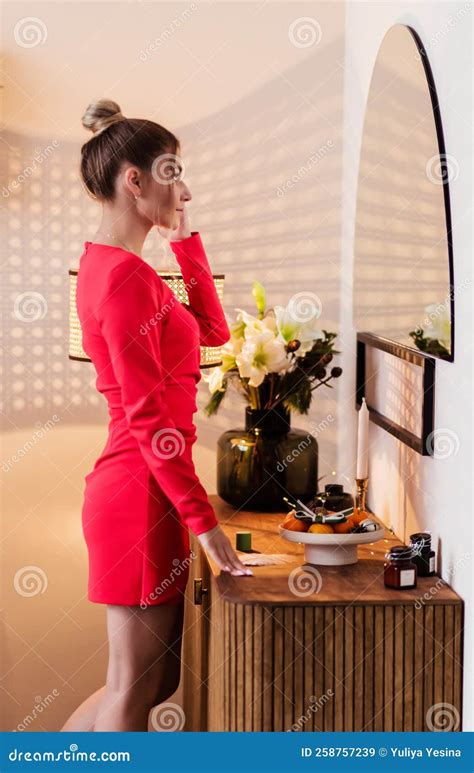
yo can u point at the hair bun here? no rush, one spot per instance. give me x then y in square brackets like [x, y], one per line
[101, 114]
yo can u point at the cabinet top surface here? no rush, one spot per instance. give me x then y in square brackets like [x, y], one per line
[360, 583]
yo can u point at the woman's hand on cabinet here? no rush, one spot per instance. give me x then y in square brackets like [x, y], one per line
[218, 547]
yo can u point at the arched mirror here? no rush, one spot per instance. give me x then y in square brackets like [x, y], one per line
[403, 282]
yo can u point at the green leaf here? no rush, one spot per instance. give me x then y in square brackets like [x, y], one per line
[216, 399]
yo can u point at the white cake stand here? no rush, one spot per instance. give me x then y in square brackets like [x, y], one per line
[331, 549]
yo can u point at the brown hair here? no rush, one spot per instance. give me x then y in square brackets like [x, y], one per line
[117, 139]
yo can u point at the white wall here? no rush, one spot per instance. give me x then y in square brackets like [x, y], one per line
[409, 491]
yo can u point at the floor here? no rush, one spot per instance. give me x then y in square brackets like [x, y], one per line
[54, 640]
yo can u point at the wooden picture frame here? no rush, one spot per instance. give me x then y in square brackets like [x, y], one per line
[414, 356]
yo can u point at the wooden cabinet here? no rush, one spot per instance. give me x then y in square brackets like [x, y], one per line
[351, 656]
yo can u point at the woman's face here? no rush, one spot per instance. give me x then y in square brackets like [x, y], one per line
[166, 192]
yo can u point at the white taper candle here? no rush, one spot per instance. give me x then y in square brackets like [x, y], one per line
[363, 442]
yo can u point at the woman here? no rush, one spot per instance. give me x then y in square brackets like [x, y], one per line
[143, 492]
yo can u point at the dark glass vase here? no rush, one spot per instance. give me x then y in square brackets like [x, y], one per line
[259, 465]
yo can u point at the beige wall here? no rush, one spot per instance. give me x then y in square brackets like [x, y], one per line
[260, 121]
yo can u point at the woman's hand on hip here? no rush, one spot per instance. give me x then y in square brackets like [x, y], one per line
[218, 547]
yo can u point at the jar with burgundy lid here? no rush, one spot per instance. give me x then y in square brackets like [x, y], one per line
[399, 568]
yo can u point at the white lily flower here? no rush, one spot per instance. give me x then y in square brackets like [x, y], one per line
[439, 326]
[233, 346]
[261, 354]
[254, 325]
[214, 378]
[290, 328]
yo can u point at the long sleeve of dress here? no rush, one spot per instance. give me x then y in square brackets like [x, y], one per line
[204, 302]
[132, 299]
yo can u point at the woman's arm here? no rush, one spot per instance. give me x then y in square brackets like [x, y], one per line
[204, 301]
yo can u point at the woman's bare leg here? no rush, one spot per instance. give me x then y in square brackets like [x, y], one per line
[83, 718]
[146, 643]
[144, 664]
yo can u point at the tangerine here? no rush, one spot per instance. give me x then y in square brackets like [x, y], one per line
[294, 524]
[359, 515]
[321, 528]
[345, 527]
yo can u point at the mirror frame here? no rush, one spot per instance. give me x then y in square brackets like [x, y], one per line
[445, 173]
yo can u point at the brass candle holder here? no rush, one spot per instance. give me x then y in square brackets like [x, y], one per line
[361, 493]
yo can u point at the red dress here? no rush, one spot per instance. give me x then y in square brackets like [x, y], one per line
[143, 492]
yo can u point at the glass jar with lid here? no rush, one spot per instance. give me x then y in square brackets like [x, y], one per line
[399, 567]
[423, 555]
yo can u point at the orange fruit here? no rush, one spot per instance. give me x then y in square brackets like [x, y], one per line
[359, 515]
[344, 528]
[294, 524]
[321, 528]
